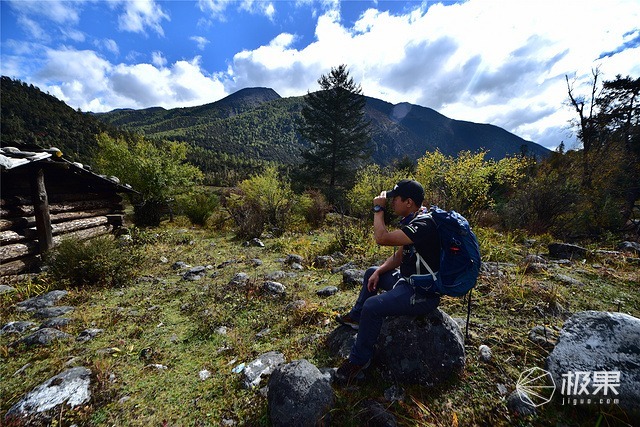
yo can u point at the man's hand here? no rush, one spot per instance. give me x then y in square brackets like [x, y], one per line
[381, 199]
[372, 284]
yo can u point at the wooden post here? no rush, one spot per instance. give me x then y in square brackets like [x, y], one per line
[41, 211]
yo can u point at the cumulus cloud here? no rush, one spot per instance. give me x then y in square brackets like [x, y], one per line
[58, 11]
[140, 15]
[201, 42]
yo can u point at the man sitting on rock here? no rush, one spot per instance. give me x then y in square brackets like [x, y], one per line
[415, 234]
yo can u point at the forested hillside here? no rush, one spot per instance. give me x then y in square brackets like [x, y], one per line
[32, 117]
[251, 128]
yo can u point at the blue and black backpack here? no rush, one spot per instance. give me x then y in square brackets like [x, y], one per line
[459, 257]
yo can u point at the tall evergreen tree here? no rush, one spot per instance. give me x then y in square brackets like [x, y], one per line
[333, 121]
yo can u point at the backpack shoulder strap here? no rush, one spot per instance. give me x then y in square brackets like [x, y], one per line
[419, 260]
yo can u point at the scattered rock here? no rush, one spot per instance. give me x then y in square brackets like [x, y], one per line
[5, 289]
[297, 267]
[299, 395]
[437, 349]
[484, 353]
[47, 300]
[348, 266]
[42, 337]
[48, 312]
[276, 275]
[566, 251]
[88, 334]
[262, 366]
[274, 287]
[263, 333]
[520, 404]
[56, 322]
[323, 261]
[179, 265]
[340, 341]
[394, 393]
[293, 259]
[596, 341]
[352, 277]
[544, 336]
[255, 242]
[632, 247]
[239, 279]
[295, 305]
[17, 327]
[327, 291]
[374, 414]
[255, 262]
[195, 273]
[70, 387]
[204, 374]
[567, 280]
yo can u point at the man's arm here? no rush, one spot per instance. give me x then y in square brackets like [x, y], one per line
[385, 237]
[390, 263]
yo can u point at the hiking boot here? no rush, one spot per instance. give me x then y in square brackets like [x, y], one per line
[348, 372]
[348, 321]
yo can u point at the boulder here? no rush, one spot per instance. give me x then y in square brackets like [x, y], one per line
[425, 351]
[604, 343]
[262, 366]
[299, 395]
[630, 247]
[352, 277]
[70, 387]
[327, 291]
[566, 251]
[41, 301]
[43, 337]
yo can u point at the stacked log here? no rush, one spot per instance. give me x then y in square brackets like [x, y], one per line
[72, 215]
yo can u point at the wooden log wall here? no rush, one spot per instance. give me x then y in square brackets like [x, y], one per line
[79, 206]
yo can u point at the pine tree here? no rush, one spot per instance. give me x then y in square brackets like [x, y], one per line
[333, 122]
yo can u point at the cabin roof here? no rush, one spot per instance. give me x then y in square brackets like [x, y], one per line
[12, 158]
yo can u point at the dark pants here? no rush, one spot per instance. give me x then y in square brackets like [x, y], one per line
[371, 308]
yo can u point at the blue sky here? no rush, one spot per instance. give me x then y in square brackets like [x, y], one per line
[502, 62]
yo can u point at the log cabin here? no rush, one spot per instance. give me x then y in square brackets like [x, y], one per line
[45, 198]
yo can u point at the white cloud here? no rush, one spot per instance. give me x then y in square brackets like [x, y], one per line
[158, 59]
[202, 42]
[140, 15]
[58, 11]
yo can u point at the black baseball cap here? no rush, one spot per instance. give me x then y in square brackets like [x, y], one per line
[408, 188]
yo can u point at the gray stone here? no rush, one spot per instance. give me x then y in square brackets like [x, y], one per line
[17, 327]
[544, 336]
[274, 287]
[47, 300]
[195, 273]
[88, 334]
[49, 312]
[632, 247]
[299, 395]
[323, 261]
[5, 289]
[179, 265]
[352, 277]
[374, 414]
[595, 341]
[348, 266]
[327, 291]
[567, 280]
[340, 341]
[293, 259]
[239, 279]
[520, 405]
[484, 353]
[425, 351]
[70, 387]
[262, 366]
[276, 275]
[56, 322]
[255, 242]
[566, 251]
[42, 337]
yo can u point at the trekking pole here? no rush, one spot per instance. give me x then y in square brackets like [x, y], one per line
[466, 328]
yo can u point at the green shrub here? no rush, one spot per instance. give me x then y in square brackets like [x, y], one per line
[198, 207]
[101, 262]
